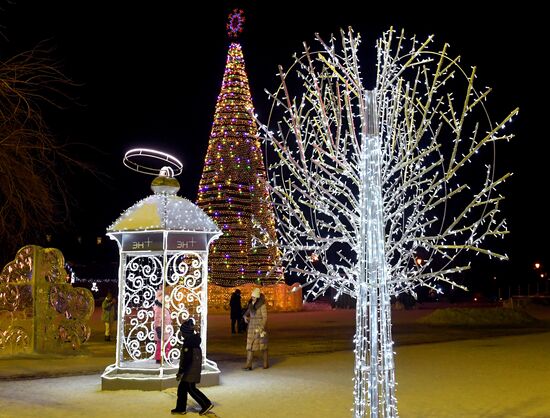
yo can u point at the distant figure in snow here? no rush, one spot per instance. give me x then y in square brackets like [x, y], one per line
[108, 315]
[236, 311]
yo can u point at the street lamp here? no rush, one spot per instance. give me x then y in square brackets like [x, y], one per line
[540, 274]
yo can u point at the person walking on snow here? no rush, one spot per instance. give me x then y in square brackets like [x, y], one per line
[255, 316]
[189, 372]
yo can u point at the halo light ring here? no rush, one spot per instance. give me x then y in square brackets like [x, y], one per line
[129, 161]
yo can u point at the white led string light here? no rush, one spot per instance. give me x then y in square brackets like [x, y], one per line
[362, 183]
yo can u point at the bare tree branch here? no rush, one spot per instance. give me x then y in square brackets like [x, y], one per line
[33, 196]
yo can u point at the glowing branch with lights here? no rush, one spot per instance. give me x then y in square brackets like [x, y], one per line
[364, 181]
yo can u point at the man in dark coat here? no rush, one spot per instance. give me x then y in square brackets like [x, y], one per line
[236, 311]
[189, 373]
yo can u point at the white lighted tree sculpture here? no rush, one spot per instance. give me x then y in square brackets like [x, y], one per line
[365, 181]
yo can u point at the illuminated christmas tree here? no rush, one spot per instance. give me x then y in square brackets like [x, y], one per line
[233, 188]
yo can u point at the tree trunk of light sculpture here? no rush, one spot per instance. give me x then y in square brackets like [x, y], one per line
[374, 366]
[362, 179]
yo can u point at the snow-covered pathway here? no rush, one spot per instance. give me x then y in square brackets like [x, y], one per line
[505, 377]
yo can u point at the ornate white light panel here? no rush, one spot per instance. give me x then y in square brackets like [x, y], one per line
[184, 297]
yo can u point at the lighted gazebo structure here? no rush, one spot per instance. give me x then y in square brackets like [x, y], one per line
[163, 243]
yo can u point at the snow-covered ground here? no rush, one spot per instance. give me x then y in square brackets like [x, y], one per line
[505, 377]
[311, 374]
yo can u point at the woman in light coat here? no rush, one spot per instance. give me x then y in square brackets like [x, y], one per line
[256, 339]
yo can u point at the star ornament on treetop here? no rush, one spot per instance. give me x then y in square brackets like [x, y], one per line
[235, 24]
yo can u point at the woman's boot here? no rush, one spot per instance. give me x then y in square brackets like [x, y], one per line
[248, 365]
[266, 361]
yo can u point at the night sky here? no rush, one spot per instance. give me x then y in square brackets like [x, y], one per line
[148, 79]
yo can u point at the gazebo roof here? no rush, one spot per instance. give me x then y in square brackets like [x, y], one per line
[163, 211]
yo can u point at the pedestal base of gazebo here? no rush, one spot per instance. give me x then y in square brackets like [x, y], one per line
[147, 375]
